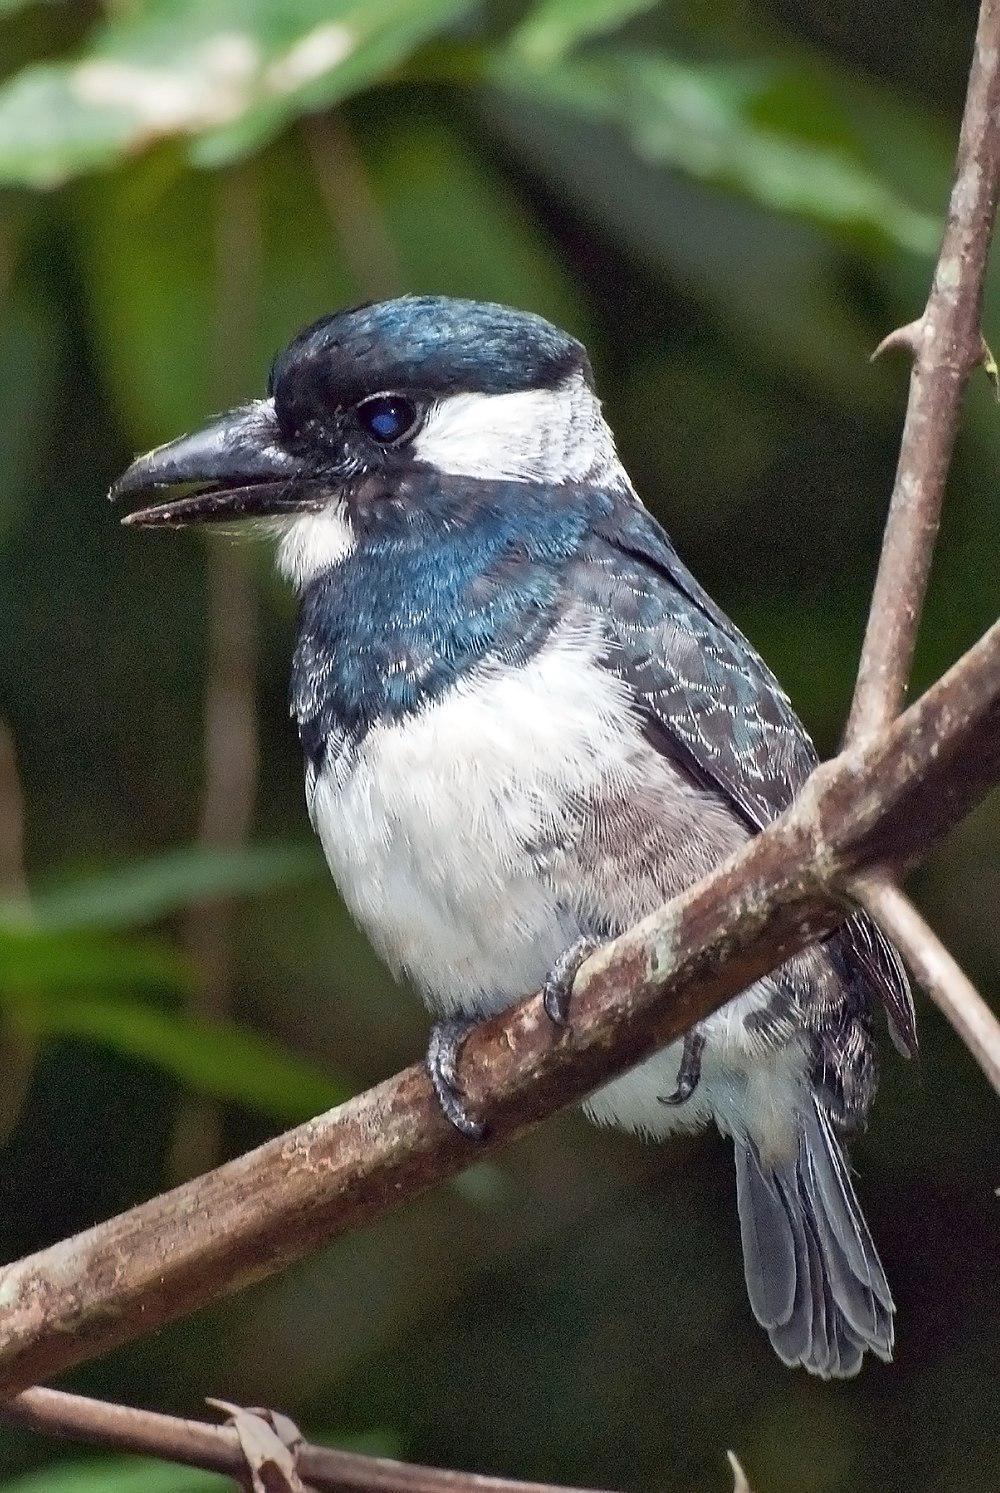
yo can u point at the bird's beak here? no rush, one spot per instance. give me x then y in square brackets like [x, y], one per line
[238, 465]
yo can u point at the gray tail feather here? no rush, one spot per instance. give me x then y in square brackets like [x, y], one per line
[813, 1275]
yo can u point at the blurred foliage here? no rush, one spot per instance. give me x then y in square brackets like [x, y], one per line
[61, 976]
[229, 74]
[146, 890]
[123, 1474]
[730, 204]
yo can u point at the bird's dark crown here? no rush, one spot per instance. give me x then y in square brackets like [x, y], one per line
[436, 345]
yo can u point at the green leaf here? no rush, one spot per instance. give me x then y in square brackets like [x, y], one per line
[218, 1058]
[229, 73]
[555, 27]
[50, 959]
[118, 1475]
[146, 890]
[372, 37]
[728, 125]
[45, 980]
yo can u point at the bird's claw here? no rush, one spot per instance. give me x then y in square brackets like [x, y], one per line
[689, 1072]
[442, 1066]
[558, 985]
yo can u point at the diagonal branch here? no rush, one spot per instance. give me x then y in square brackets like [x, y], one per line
[195, 1443]
[947, 345]
[938, 972]
[884, 800]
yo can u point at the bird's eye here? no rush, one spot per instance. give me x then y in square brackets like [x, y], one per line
[388, 418]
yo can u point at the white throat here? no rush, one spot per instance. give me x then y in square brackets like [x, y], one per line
[313, 542]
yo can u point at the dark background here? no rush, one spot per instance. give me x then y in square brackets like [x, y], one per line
[731, 204]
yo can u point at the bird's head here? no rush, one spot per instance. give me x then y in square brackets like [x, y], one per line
[368, 409]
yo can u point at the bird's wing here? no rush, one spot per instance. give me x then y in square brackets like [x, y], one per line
[713, 706]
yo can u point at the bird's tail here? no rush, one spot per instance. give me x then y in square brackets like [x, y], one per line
[813, 1275]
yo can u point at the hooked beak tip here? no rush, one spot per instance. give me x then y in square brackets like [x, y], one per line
[236, 465]
[119, 490]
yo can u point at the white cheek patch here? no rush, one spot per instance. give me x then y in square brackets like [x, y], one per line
[313, 542]
[532, 435]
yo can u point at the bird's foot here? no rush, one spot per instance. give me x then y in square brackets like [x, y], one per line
[442, 1065]
[558, 985]
[689, 1072]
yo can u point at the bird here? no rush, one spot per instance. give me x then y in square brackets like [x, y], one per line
[525, 726]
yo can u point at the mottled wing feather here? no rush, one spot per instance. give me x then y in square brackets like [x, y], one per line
[703, 681]
[718, 711]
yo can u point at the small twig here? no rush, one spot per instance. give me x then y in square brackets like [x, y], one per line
[949, 987]
[195, 1443]
[946, 342]
[883, 801]
[901, 339]
[740, 1484]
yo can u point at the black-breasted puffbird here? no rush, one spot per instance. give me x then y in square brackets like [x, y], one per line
[526, 726]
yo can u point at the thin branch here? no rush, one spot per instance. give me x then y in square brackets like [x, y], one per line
[195, 1443]
[883, 801]
[947, 345]
[13, 877]
[229, 795]
[230, 732]
[946, 983]
[19, 1046]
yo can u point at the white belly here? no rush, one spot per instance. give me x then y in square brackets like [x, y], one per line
[429, 826]
[463, 841]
